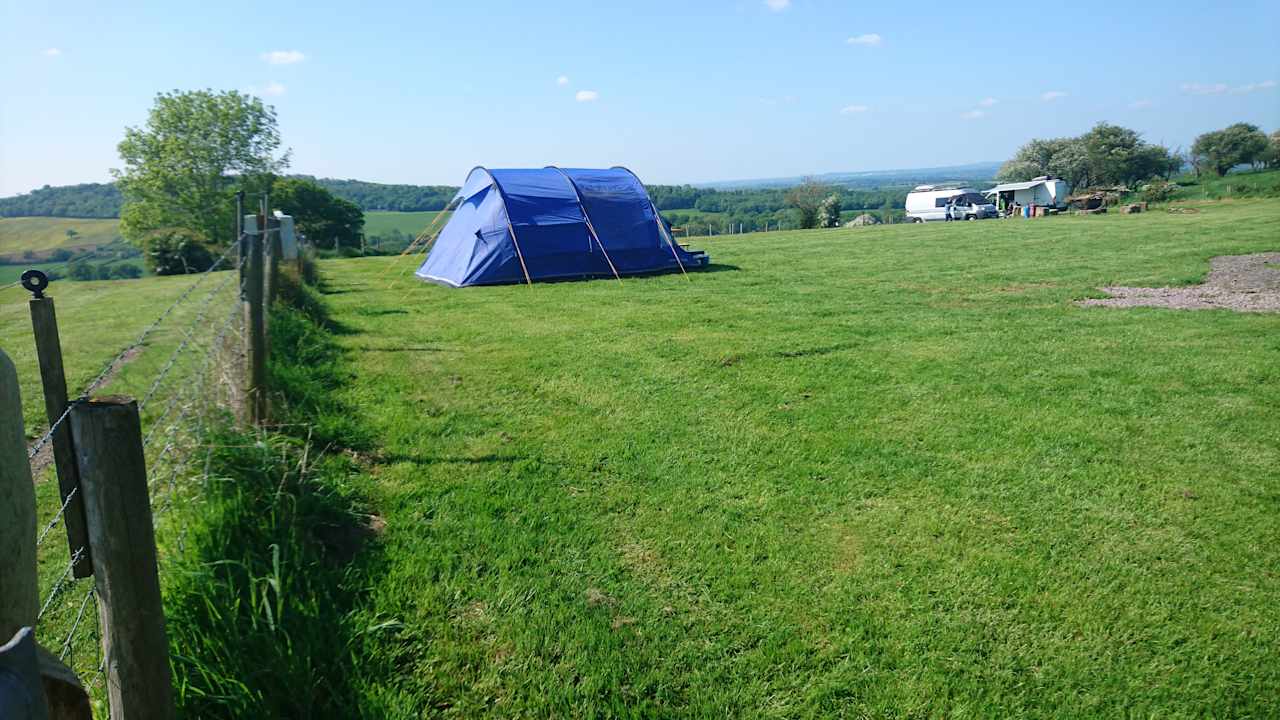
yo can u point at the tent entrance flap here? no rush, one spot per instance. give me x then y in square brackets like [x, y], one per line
[523, 225]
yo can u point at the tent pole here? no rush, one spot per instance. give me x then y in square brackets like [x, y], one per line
[663, 232]
[519, 254]
[590, 227]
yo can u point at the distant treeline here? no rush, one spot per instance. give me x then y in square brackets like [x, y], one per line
[102, 200]
[396, 198]
[87, 200]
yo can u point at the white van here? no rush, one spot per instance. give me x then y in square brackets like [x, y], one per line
[928, 202]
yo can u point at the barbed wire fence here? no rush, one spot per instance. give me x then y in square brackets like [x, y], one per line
[204, 376]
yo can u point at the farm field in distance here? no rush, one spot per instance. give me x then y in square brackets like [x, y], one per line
[886, 471]
[42, 234]
[378, 222]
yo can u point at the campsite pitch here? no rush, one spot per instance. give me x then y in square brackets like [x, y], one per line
[886, 471]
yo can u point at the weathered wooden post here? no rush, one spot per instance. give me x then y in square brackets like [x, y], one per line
[20, 597]
[255, 334]
[44, 324]
[113, 477]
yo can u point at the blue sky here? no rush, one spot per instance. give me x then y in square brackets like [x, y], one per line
[680, 91]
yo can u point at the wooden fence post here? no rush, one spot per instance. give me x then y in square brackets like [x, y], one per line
[108, 439]
[256, 336]
[44, 324]
[20, 598]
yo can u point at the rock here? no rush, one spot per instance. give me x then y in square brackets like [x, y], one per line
[863, 219]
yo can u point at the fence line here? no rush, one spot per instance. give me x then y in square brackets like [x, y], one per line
[204, 373]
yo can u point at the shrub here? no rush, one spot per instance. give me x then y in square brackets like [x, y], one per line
[81, 270]
[1158, 191]
[175, 251]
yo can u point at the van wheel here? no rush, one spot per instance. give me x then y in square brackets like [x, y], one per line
[972, 217]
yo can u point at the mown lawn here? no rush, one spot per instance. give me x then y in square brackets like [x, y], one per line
[888, 471]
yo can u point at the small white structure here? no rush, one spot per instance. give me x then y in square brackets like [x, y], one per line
[283, 223]
[928, 203]
[1044, 191]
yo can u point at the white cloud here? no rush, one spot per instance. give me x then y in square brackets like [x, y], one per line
[972, 114]
[283, 57]
[1253, 87]
[1223, 88]
[1202, 89]
[273, 89]
[988, 102]
[853, 109]
[778, 5]
[562, 80]
[51, 52]
[867, 39]
[1053, 95]
[586, 96]
[1139, 104]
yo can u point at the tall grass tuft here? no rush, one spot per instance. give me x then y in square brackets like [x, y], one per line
[272, 558]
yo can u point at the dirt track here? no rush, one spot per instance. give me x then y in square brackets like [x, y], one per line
[1244, 283]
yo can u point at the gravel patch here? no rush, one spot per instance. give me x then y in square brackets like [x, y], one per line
[1244, 283]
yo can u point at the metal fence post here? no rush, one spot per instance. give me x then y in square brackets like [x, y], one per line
[113, 476]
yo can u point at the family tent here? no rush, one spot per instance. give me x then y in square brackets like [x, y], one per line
[512, 226]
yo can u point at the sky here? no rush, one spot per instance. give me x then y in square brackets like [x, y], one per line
[421, 91]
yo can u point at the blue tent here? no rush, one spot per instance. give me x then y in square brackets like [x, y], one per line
[514, 226]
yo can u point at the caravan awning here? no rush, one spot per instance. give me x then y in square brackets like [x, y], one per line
[1006, 187]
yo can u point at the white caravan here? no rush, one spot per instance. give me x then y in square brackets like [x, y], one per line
[928, 202]
[1044, 191]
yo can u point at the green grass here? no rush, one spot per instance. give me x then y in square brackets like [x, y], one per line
[412, 223]
[42, 234]
[1247, 184]
[889, 472]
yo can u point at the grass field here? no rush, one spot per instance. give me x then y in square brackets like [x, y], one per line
[889, 471]
[884, 472]
[42, 234]
[411, 223]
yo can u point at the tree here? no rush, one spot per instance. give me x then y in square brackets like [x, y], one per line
[1271, 158]
[175, 251]
[81, 270]
[71, 234]
[326, 220]
[806, 198]
[1224, 149]
[829, 212]
[125, 271]
[183, 166]
[1066, 158]
[886, 212]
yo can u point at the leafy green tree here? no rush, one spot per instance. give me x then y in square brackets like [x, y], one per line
[182, 167]
[175, 251]
[125, 271]
[1224, 149]
[1066, 158]
[81, 270]
[829, 212]
[886, 212]
[806, 198]
[327, 220]
[60, 255]
[1271, 158]
[71, 234]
